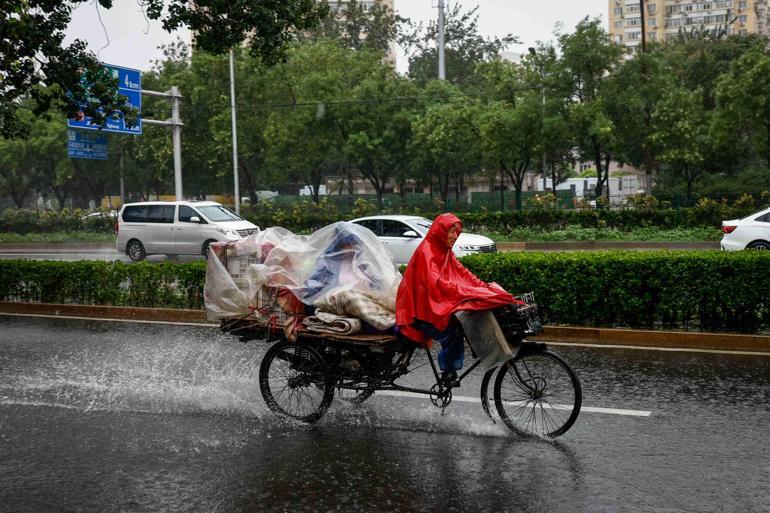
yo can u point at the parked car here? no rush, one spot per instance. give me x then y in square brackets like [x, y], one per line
[752, 232]
[176, 227]
[101, 214]
[402, 234]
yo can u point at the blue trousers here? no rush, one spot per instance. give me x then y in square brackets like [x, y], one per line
[452, 353]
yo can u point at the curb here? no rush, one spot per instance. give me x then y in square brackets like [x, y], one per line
[602, 245]
[656, 339]
[561, 334]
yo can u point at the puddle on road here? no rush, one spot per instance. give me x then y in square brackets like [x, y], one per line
[201, 375]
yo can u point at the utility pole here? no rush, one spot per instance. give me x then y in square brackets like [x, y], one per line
[644, 32]
[236, 186]
[441, 23]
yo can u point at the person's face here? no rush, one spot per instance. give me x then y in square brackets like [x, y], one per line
[452, 235]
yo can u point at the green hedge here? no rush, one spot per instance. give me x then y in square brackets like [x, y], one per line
[14, 220]
[104, 283]
[305, 216]
[702, 290]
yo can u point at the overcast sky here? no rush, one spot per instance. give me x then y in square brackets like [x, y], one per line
[128, 40]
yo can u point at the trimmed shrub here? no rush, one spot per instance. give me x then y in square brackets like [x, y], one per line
[704, 290]
[144, 284]
[701, 290]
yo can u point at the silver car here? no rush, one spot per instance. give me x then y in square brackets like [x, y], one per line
[402, 234]
[176, 227]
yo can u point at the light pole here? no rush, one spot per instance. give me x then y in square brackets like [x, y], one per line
[236, 187]
[542, 115]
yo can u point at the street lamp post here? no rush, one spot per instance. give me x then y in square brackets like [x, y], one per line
[542, 115]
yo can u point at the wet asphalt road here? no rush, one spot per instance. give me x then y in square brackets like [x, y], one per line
[112, 416]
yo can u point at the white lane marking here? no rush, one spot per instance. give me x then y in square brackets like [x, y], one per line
[462, 399]
[568, 344]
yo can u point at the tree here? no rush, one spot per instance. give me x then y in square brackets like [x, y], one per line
[587, 56]
[34, 64]
[631, 96]
[306, 135]
[742, 114]
[465, 47]
[681, 132]
[509, 139]
[445, 143]
[379, 128]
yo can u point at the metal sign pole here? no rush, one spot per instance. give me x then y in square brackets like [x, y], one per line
[176, 131]
[176, 125]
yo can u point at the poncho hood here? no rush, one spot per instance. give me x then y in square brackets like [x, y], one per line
[436, 285]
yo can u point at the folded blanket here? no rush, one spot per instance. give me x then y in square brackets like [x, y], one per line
[324, 322]
[352, 303]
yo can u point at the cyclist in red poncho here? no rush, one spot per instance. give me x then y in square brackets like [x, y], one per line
[434, 287]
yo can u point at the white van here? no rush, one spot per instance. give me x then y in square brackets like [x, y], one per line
[176, 227]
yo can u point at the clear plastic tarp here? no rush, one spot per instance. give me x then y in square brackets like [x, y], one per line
[341, 269]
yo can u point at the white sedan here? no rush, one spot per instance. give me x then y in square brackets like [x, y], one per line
[402, 234]
[752, 232]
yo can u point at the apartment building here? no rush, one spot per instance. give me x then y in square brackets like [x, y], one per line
[664, 19]
[338, 5]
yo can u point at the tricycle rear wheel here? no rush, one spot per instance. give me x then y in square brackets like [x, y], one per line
[294, 381]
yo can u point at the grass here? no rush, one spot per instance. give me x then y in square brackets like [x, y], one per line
[56, 237]
[576, 233]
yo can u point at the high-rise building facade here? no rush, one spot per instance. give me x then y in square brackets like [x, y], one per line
[665, 19]
[338, 5]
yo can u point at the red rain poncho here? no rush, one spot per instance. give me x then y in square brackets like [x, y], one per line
[436, 285]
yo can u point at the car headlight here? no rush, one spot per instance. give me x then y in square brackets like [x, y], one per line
[470, 248]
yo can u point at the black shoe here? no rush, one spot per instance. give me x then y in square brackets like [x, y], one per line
[449, 378]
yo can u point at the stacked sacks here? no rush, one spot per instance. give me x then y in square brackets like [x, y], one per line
[341, 270]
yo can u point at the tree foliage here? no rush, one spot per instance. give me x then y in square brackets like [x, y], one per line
[34, 64]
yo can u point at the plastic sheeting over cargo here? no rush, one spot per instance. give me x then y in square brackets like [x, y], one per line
[342, 268]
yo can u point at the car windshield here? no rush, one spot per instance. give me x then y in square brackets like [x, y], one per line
[421, 224]
[219, 214]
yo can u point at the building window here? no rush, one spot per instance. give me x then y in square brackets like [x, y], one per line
[743, 18]
[634, 36]
[652, 36]
[618, 38]
[742, 4]
[618, 10]
[652, 8]
[633, 22]
[652, 22]
[619, 24]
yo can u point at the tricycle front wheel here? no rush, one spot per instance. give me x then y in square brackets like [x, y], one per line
[538, 394]
[294, 381]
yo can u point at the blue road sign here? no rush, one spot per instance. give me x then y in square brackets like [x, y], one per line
[84, 145]
[130, 86]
